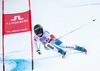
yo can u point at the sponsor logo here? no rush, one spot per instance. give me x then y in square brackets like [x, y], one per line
[16, 17]
[17, 20]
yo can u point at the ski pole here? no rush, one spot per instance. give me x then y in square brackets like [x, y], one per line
[76, 29]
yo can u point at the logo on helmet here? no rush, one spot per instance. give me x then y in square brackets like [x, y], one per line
[37, 28]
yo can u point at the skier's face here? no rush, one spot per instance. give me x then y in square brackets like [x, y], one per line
[39, 35]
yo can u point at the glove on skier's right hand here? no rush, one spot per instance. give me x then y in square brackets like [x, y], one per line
[39, 52]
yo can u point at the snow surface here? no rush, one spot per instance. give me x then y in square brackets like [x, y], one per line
[60, 17]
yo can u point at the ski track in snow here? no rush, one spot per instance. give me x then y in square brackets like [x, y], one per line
[82, 5]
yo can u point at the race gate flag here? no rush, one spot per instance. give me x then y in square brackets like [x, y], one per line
[17, 44]
[16, 23]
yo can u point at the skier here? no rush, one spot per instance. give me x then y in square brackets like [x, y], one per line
[50, 42]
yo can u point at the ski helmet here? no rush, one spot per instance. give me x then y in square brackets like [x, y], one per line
[38, 29]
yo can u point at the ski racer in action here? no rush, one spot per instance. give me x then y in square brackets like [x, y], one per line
[51, 42]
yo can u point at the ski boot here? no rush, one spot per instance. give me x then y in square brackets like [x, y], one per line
[81, 49]
[62, 52]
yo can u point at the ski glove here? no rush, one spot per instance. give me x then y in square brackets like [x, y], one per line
[39, 52]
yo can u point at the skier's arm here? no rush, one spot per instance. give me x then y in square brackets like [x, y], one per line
[50, 36]
[36, 46]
